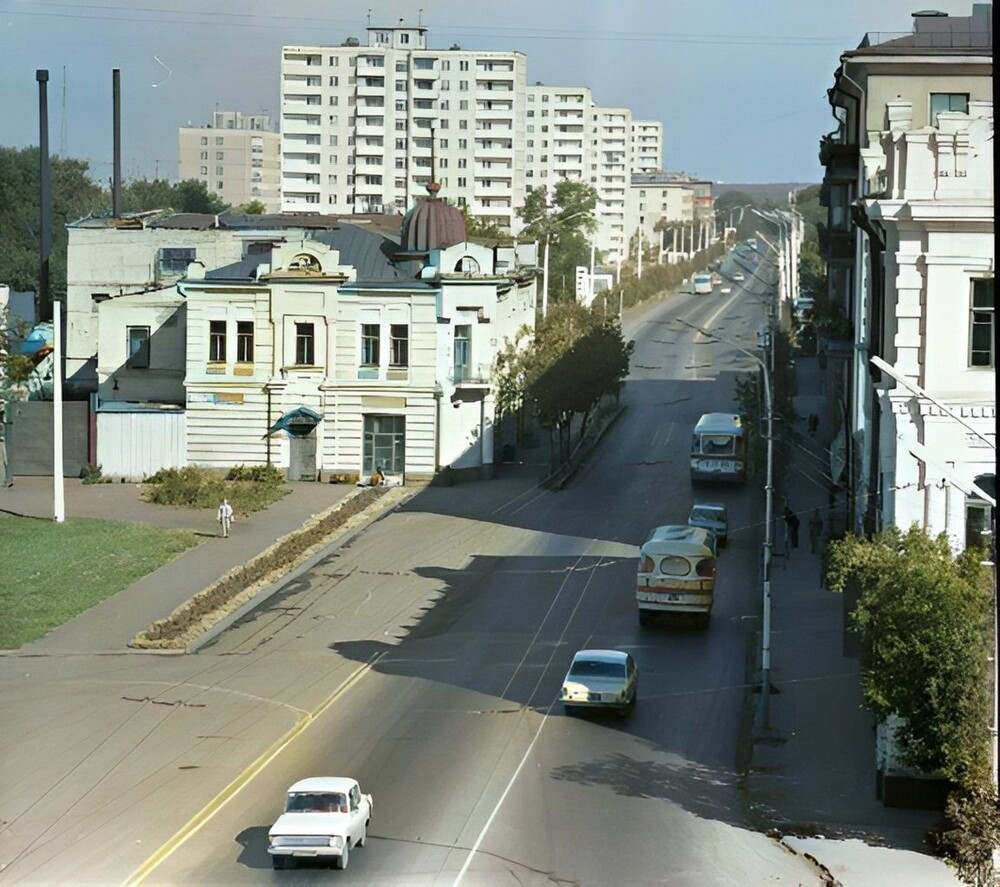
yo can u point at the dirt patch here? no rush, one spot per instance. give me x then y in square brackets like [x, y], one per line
[230, 592]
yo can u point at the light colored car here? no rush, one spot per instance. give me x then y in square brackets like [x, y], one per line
[325, 817]
[726, 290]
[739, 277]
[600, 679]
[711, 516]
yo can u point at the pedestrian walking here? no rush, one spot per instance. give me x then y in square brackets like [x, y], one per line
[225, 517]
[791, 526]
[813, 423]
[815, 531]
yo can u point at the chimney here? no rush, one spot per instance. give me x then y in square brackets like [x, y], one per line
[116, 182]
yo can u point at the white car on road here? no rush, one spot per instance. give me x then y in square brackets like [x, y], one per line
[325, 816]
[600, 679]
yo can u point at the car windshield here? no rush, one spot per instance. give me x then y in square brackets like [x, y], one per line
[316, 802]
[597, 669]
[706, 514]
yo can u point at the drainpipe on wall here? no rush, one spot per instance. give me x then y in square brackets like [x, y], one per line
[438, 394]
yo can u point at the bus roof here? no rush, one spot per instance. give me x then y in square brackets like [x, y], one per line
[713, 423]
[679, 539]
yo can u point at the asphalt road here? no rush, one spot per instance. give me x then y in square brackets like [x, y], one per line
[425, 659]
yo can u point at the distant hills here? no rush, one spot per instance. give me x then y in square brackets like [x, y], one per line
[776, 192]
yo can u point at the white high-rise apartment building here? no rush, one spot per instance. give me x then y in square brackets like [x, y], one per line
[568, 137]
[237, 158]
[365, 128]
[647, 146]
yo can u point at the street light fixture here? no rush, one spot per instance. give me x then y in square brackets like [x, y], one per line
[765, 645]
[549, 227]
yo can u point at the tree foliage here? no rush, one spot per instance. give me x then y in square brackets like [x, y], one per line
[574, 360]
[74, 195]
[564, 215]
[923, 616]
[973, 817]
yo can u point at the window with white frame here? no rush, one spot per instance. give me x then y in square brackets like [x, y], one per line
[137, 343]
[370, 335]
[305, 344]
[399, 345]
[217, 341]
[463, 352]
[244, 341]
[982, 324]
[947, 101]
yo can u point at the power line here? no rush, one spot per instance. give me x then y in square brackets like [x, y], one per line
[265, 21]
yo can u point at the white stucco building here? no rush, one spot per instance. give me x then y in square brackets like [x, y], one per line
[936, 214]
[324, 348]
[909, 191]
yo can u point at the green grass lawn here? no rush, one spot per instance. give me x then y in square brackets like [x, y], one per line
[51, 572]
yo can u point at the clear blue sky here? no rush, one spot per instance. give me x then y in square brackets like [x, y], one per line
[739, 85]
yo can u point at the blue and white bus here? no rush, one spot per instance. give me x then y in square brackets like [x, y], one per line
[703, 282]
[719, 449]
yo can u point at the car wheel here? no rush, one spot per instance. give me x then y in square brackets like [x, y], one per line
[280, 862]
[364, 835]
[645, 618]
[340, 862]
[569, 710]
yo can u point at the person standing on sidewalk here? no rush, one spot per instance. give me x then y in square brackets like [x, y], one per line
[815, 531]
[225, 517]
[791, 525]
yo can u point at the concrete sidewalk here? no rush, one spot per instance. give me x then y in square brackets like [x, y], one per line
[812, 770]
[111, 624]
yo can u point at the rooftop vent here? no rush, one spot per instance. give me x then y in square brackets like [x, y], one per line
[352, 41]
[930, 13]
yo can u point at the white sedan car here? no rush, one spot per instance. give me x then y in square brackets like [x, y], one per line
[325, 817]
[600, 680]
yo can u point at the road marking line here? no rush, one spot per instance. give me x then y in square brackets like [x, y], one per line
[192, 826]
[499, 804]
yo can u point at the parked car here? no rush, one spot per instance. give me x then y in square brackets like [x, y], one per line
[600, 679]
[739, 277]
[325, 816]
[711, 516]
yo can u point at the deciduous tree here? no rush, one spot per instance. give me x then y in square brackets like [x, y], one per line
[923, 618]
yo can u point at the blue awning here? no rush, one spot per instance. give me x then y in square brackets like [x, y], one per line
[298, 422]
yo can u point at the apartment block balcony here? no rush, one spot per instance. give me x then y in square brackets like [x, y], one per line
[493, 148]
[372, 130]
[837, 153]
[494, 131]
[505, 115]
[363, 90]
[471, 376]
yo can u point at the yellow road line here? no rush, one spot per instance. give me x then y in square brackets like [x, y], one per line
[234, 787]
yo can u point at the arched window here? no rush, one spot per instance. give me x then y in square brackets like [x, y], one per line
[305, 262]
[467, 265]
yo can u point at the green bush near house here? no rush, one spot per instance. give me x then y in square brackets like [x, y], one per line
[248, 488]
[40, 590]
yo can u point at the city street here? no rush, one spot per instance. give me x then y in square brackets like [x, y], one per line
[425, 659]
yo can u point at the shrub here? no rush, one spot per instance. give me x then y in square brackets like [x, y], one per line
[91, 474]
[247, 489]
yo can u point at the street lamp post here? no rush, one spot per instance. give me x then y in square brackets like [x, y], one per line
[549, 228]
[765, 643]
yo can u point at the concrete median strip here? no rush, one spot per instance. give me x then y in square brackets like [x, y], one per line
[199, 614]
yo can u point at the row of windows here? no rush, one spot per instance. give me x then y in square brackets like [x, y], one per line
[137, 344]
